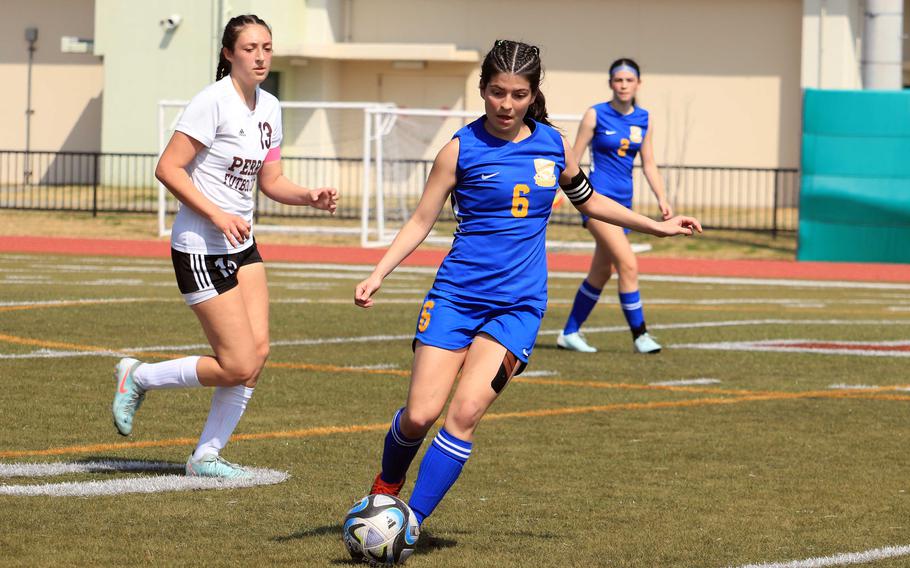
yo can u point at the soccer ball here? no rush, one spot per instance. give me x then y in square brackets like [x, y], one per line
[380, 529]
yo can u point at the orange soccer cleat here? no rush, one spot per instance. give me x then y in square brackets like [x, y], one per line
[383, 488]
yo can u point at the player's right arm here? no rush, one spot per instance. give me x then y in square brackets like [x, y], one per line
[171, 171]
[439, 185]
[585, 134]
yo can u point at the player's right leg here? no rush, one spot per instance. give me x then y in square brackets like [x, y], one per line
[432, 376]
[589, 291]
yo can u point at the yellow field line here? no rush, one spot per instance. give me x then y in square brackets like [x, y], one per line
[378, 427]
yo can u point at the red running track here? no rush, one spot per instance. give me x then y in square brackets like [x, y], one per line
[558, 261]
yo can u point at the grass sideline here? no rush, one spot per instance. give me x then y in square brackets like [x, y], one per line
[583, 464]
[713, 244]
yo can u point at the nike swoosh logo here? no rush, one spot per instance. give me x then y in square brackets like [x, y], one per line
[609, 132]
[488, 176]
[524, 352]
[123, 382]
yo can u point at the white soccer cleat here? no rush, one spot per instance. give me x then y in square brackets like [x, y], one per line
[644, 343]
[574, 342]
[128, 397]
[213, 465]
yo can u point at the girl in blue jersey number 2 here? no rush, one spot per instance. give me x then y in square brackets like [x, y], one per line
[482, 315]
[617, 131]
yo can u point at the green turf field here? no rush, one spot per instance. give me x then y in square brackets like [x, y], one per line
[584, 461]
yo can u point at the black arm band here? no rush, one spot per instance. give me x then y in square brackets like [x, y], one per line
[578, 190]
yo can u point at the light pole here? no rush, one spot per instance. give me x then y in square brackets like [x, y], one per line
[31, 36]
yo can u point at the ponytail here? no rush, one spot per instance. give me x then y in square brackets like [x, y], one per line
[538, 109]
[224, 66]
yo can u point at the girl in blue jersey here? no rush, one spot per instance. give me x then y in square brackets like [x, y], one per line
[617, 131]
[483, 312]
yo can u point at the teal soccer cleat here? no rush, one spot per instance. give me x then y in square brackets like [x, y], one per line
[644, 343]
[574, 342]
[128, 397]
[213, 465]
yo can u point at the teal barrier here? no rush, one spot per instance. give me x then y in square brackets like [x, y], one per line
[855, 189]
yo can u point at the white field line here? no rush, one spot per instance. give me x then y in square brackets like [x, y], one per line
[64, 468]
[720, 280]
[379, 366]
[52, 354]
[77, 301]
[781, 346]
[119, 352]
[106, 268]
[844, 559]
[776, 282]
[842, 386]
[737, 323]
[99, 282]
[685, 382]
[539, 373]
[150, 484]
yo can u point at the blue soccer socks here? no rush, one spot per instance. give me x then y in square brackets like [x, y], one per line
[399, 452]
[632, 309]
[585, 300]
[439, 469]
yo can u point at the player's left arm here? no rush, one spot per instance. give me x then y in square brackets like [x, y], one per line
[578, 189]
[278, 187]
[649, 167]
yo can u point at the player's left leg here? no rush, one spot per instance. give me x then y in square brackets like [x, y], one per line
[589, 291]
[230, 402]
[626, 264]
[487, 369]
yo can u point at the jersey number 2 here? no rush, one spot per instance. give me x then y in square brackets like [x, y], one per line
[520, 203]
[623, 146]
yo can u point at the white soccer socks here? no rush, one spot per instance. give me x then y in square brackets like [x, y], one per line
[228, 405]
[177, 373]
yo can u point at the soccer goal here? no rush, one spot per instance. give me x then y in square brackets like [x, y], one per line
[376, 154]
[406, 142]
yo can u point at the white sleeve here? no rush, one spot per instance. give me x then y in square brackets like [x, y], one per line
[277, 131]
[200, 118]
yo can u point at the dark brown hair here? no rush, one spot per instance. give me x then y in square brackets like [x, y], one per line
[520, 59]
[625, 61]
[229, 40]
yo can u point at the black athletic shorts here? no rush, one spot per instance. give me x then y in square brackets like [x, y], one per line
[201, 277]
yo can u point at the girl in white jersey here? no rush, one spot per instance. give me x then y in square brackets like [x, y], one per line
[227, 139]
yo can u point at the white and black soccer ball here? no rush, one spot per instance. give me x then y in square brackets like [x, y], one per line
[381, 529]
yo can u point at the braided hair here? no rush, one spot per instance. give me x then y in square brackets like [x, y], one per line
[229, 40]
[517, 58]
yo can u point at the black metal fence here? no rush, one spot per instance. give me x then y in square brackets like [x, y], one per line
[755, 199]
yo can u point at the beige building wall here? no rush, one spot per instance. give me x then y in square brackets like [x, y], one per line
[66, 87]
[721, 78]
[145, 62]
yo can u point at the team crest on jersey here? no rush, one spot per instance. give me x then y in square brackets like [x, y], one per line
[635, 134]
[546, 172]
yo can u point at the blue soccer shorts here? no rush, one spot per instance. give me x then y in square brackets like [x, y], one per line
[451, 322]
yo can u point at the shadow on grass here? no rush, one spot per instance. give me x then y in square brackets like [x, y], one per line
[159, 467]
[309, 533]
[426, 544]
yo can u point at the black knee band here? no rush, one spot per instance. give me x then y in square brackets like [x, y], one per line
[511, 366]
